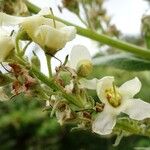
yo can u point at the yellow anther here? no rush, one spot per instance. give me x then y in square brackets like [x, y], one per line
[113, 96]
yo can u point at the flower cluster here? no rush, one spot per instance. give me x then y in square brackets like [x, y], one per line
[65, 92]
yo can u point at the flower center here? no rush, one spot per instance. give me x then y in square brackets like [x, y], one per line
[113, 96]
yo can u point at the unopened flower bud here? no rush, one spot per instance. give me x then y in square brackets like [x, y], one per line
[35, 61]
[84, 68]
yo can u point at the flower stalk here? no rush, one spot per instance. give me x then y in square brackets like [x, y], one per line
[48, 60]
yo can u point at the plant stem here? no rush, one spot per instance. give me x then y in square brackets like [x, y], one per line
[26, 46]
[139, 51]
[32, 8]
[48, 60]
[17, 45]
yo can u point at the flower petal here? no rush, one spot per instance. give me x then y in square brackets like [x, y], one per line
[102, 85]
[138, 109]
[130, 88]
[104, 123]
[50, 37]
[6, 46]
[70, 32]
[88, 84]
[7, 20]
[44, 11]
[78, 53]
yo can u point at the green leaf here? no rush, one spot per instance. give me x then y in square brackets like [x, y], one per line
[122, 61]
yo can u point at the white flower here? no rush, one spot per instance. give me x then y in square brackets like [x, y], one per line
[118, 100]
[81, 61]
[43, 31]
[79, 54]
[6, 45]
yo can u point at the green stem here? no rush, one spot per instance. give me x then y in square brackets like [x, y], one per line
[26, 46]
[139, 51]
[48, 60]
[17, 45]
[32, 8]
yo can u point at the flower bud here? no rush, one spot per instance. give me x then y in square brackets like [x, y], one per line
[35, 61]
[84, 68]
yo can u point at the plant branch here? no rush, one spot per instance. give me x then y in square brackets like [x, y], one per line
[139, 51]
[48, 60]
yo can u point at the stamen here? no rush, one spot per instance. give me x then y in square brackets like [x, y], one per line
[53, 17]
[114, 89]
[113, 96]
[12, 32]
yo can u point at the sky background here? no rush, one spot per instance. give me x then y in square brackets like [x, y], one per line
[126, 15]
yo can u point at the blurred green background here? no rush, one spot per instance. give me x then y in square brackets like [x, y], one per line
[23, 124]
